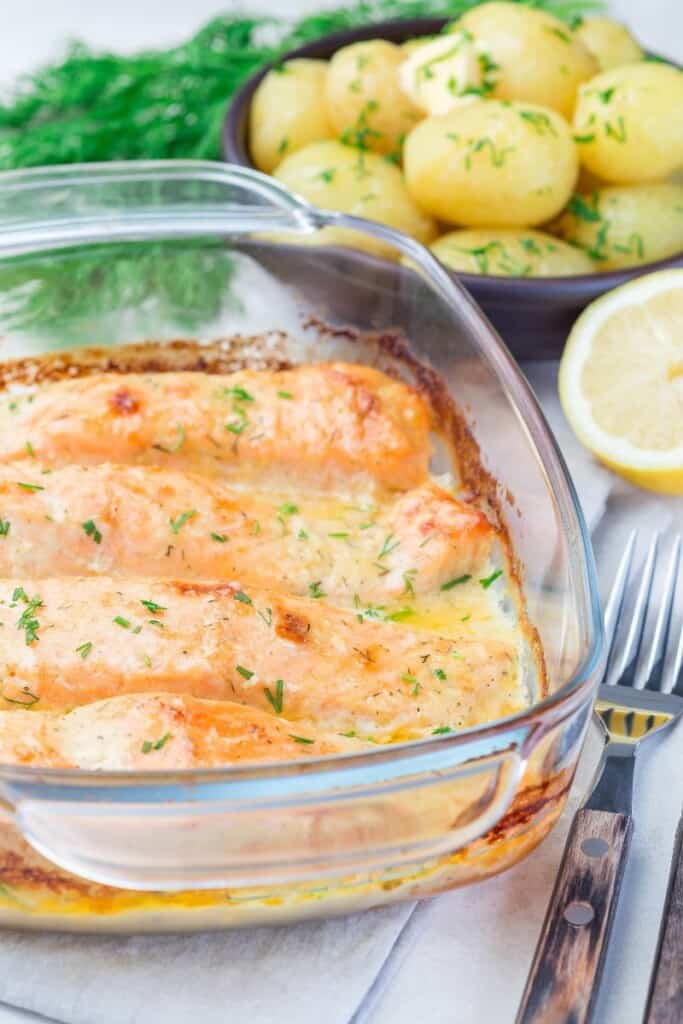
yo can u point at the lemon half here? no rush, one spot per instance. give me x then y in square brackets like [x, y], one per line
[621, 380]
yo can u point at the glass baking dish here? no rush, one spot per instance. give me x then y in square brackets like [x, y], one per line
[222, 259]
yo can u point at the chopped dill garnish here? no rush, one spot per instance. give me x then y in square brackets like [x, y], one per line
[299, 739]
[84, 650]
[149, 745]
[239, 394]
[153, 607]
[243, 598]
[177, 524]
[580, 208]
[220, 538]
[559, 32]
[408, 578]
[488, 580]
[244, 672]
[390, 544]
[276, 699]
[27, 620]
[616, 132]
[236, 426]
[400, 615]
[456, 582]
[541, 122]
[92, 531]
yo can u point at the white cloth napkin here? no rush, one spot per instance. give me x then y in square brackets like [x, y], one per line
[461, 958]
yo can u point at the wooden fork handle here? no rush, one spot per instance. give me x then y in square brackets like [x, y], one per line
[665, 1004]
[567, 964]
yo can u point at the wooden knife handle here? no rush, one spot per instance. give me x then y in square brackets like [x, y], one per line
[665, 1002]
[567, 964]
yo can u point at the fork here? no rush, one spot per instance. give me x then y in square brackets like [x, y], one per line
[641, 694]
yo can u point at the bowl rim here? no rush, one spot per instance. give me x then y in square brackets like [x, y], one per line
[524, 728]
[570, 288]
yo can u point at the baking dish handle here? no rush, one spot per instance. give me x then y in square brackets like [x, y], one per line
[170, 838]
[48, 208]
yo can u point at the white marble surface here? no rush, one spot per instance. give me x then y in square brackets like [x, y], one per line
[461, 958]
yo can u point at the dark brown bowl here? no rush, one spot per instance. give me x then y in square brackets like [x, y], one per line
[533, 315]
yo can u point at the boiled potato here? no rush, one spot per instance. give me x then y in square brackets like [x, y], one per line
[510, 253]
[609, 41]
[287, 112]
[628, 226]
[539, 59]
[365, 102]
[411, 45]
[337, 177]
[489, 162]
[628, 123]
[444, 72]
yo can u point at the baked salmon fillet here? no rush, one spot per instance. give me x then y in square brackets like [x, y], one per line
[159, 731]
[145, 521]
[329, 426]
[70, 642]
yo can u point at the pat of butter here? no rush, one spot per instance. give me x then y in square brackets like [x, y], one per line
[445, 72]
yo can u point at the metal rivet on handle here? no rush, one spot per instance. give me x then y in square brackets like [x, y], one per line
[594, 847]
[578, 913]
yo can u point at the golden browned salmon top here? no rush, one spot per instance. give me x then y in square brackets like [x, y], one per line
[145, 521]
[203, 569]
[328, 426]
[338, 670]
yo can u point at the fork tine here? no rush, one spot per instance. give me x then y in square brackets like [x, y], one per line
[624, 671]
[615, 600]
[677, 670]
[651, 673]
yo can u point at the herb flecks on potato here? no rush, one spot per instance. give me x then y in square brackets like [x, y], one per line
[492, 163]
[351, 180]
[539, 59]
[625, 226]
[508, 120]
[508, 252]
[287, 112]
[364, 99]
[628, 123]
